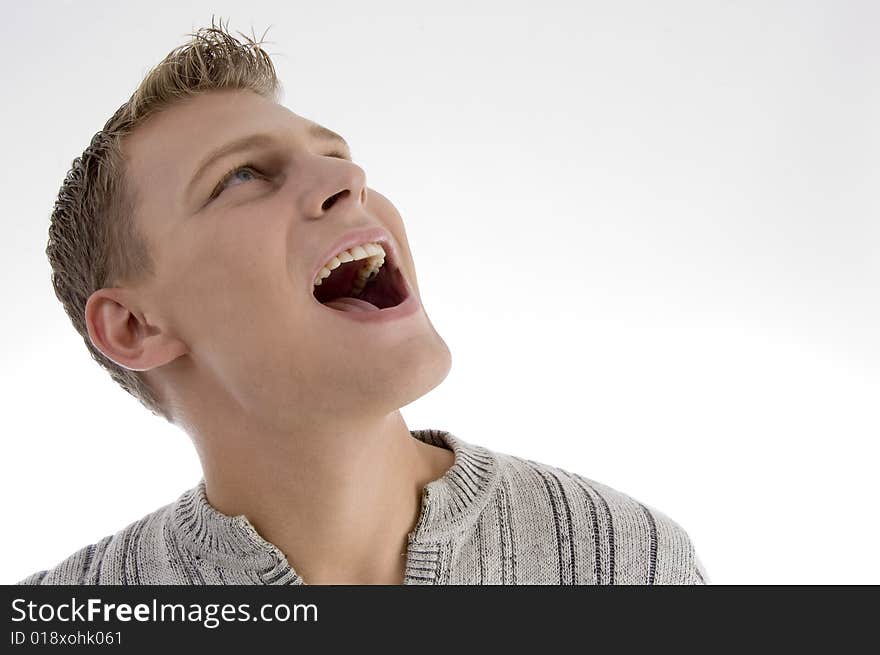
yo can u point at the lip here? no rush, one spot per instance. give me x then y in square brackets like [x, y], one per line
[350, 239]
[406, 308]
[355, 238]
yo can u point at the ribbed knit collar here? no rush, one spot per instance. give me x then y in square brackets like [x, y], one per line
[450, 504]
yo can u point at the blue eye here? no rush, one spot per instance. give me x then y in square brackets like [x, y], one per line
[248, 166]
[228, 176]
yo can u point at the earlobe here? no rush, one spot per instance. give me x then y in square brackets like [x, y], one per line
[123, 336]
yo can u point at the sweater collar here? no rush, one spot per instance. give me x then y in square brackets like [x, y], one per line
[449, 504]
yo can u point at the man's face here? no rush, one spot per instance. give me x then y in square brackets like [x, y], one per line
[234, 272]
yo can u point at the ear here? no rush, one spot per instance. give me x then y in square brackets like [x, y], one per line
[122, 333]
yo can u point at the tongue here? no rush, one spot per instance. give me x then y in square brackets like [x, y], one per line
[351, 305]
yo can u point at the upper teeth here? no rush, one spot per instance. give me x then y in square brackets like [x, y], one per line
[374, 255]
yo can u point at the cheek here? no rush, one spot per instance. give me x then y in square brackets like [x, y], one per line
[218, 283]
[379, 206]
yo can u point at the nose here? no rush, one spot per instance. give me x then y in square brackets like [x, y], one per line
[348, 187]
[340, 195]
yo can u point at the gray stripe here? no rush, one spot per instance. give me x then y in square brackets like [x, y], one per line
[462, 483]
[446, 570]
[652, 546]
[500, 505]
[279, 572]
[473, 482]
[176, 560]
[430, 561]
[196, 569]
[556, 522]
[124, 553]
[509, 528]
[422, 568]
[478, 545]
[569, 529]
[133, 548]
[597, 545]
[98, 558]
[456, 499]
[609, 530]
[90, 551]
[98, 566]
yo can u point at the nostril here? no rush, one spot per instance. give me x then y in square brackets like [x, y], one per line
[332, 200]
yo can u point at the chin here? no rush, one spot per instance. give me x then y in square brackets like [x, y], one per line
[415, 374]
[441, 368]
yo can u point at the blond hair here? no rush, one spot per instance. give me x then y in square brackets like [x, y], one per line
[93, 240]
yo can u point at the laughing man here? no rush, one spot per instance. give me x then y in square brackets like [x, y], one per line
[207, 246]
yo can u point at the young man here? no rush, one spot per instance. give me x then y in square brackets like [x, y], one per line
[224, 260]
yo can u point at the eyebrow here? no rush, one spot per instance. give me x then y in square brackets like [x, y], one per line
[251, 141]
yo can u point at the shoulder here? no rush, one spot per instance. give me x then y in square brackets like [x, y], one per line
[114, 559]
[614, 537]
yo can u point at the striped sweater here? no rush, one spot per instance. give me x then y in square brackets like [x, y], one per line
[492, 518]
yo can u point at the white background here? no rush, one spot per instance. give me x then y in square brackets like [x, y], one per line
[647, 231]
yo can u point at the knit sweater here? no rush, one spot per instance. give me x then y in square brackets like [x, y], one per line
[492, 518]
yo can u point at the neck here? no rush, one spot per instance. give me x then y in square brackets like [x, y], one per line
[339, 504]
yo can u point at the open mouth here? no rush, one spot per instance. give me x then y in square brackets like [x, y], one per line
[341, 290]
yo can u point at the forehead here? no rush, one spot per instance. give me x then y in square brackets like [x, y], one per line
[162, 153]
[186, 129]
